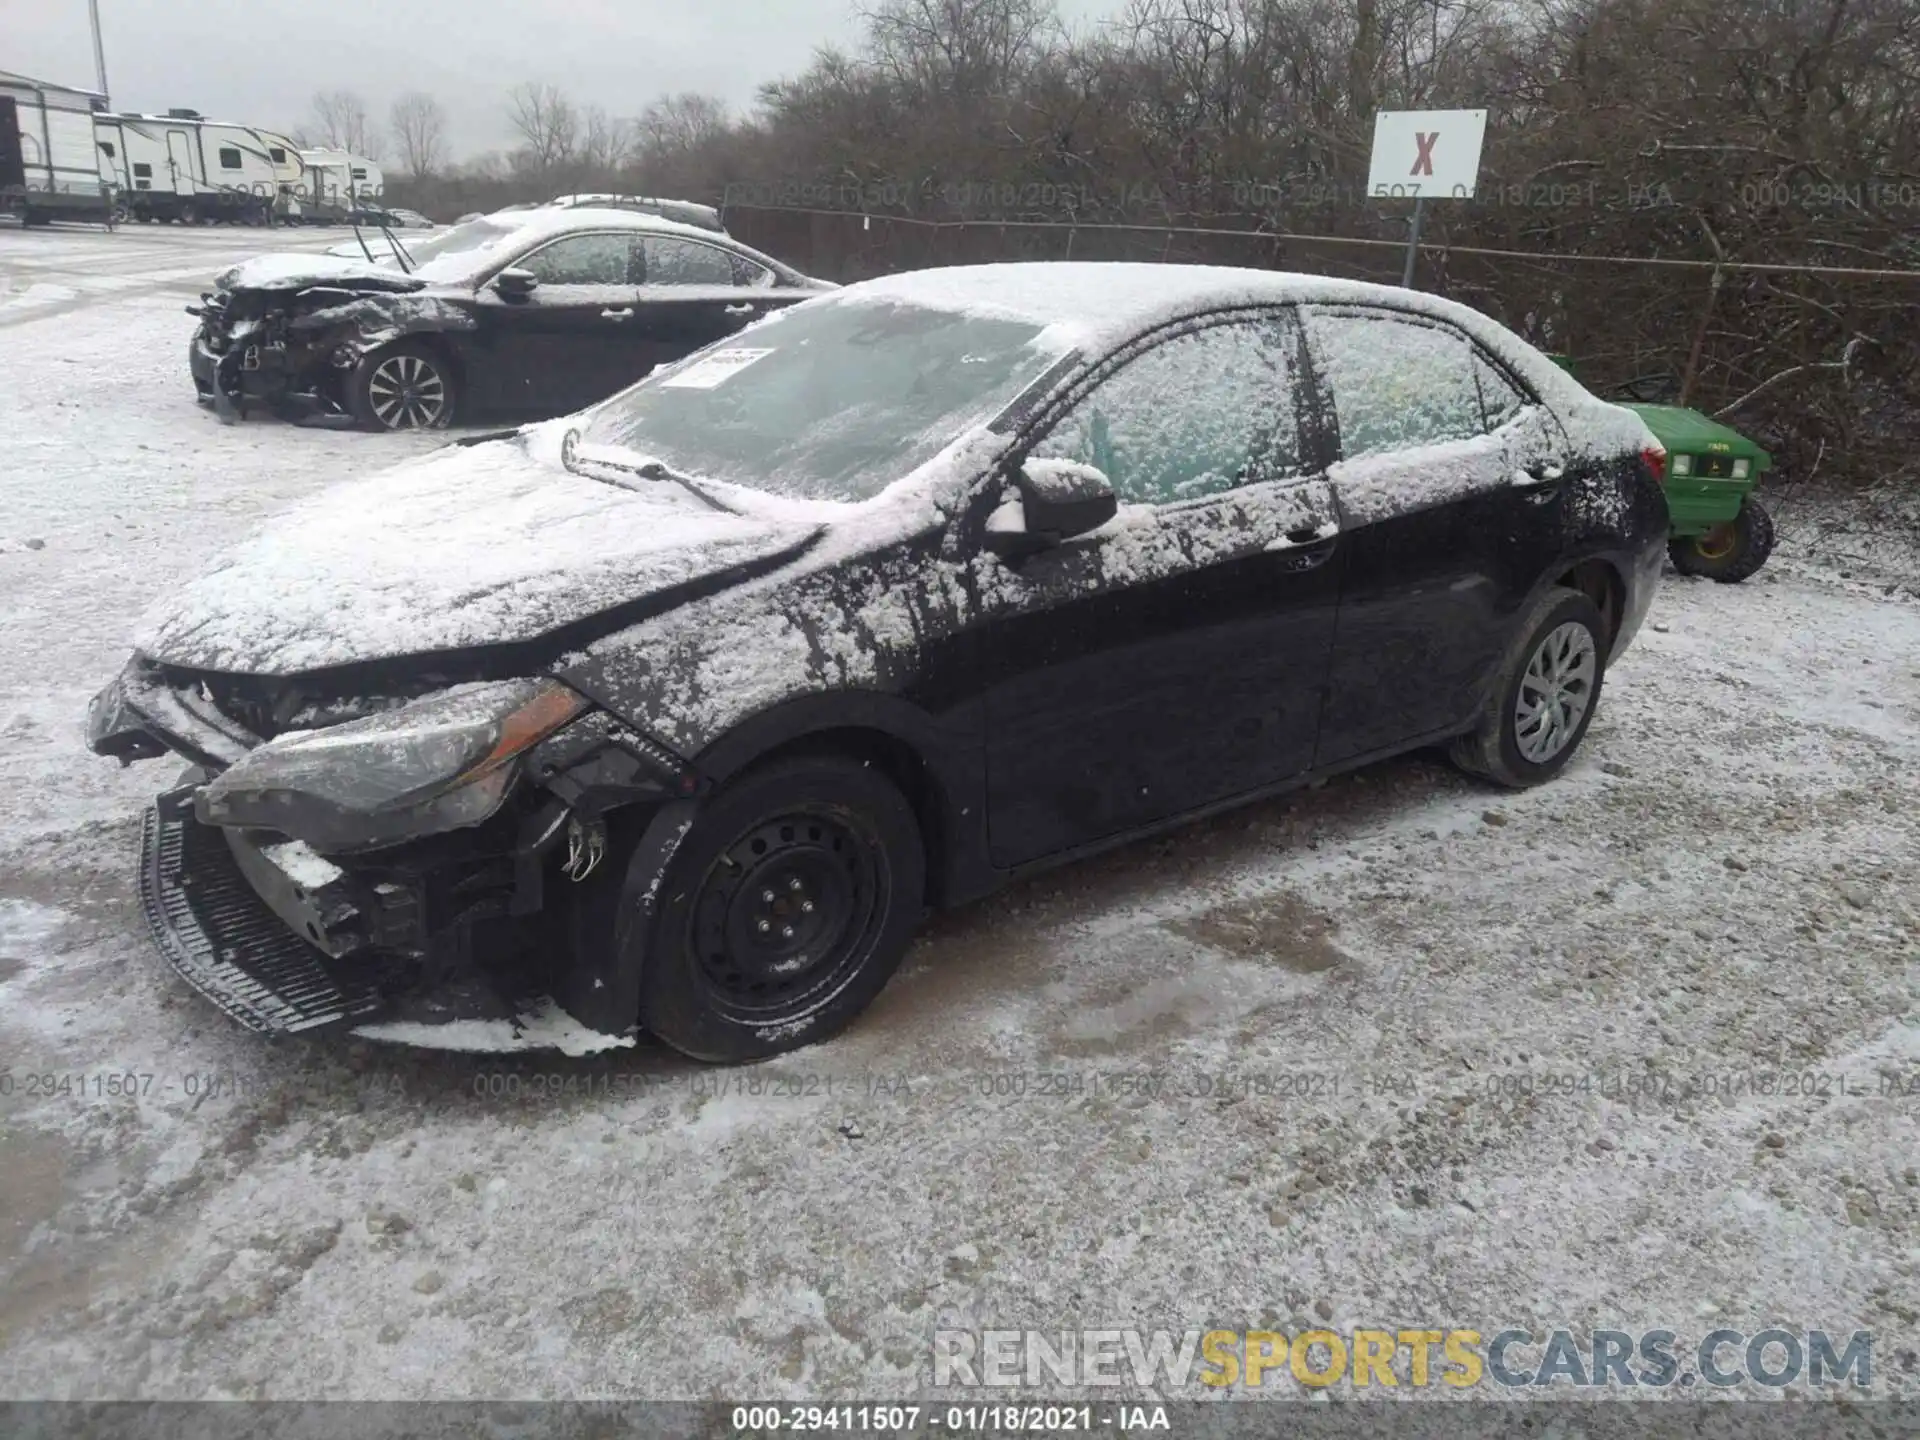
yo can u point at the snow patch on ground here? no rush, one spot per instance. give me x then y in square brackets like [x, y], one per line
[544, 1027]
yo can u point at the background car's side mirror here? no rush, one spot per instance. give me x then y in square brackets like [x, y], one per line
[1058, 499]
[514, 284]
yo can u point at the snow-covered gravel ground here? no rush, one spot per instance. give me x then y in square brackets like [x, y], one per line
[1724, 888]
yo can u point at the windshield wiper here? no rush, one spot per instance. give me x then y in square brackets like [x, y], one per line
[646, 467]
[399, 251]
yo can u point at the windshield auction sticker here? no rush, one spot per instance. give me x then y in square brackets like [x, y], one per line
[714, 369]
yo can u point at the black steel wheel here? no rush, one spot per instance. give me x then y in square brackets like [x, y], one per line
[785, 910]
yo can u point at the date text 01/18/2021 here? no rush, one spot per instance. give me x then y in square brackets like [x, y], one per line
[954, 1419]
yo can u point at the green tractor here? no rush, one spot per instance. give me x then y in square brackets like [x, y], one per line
[1717, 528]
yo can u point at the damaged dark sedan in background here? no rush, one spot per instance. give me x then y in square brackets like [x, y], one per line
[522, 315]
[678, 717]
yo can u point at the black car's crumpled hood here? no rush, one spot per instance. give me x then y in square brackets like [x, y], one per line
[469, 547]
[305, 272]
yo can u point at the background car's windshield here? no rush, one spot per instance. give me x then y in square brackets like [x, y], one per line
[832, 401]
[457, 252]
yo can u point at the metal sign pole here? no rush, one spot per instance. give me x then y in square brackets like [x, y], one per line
[1413, 243]
[99, 51]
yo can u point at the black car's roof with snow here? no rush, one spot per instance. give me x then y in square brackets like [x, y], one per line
[1090, 304]
[524, 230]
[1121, 295]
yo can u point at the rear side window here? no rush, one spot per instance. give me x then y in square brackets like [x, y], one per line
[581, 260]
[1197, 415]
[1499, 400]
[229, 158]
[142, 169]
[685, 262]
[107, 146]
[1397, 384]
[745, 272]
[278, 155]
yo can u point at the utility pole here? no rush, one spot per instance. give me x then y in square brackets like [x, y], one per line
[99, 51]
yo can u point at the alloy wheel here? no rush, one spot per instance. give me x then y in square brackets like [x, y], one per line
[1555, 691]
[407, 393]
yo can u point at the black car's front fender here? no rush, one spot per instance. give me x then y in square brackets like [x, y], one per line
[601, 988]
[347, 333]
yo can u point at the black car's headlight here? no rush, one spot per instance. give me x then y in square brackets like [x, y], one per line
[439, 764]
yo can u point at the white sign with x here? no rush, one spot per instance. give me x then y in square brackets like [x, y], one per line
[1426, 154]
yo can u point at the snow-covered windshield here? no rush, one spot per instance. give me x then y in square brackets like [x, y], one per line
[832, 400]
[458, 252]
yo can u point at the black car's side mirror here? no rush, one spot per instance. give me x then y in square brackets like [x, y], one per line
[514, 284]
[1058, 499]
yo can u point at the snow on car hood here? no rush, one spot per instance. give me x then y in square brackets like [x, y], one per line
[469, 546]
[297, 272]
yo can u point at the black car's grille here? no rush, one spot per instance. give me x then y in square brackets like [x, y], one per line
[222, 938]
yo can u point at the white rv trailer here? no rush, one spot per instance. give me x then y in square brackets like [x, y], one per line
[183, 166]
[47, 165]
[337, 184]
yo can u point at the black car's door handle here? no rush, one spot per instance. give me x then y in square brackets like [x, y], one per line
[617, 315]
[743, 308]
[1307, 548]
[1541, 481]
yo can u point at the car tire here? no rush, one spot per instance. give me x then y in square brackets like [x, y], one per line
[1727, 553]
[408, 386]
[1544, 696]
[732, 975]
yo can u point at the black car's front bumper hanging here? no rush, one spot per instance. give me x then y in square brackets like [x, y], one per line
[213, 928]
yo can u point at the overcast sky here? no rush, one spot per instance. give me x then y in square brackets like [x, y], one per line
[261, 61]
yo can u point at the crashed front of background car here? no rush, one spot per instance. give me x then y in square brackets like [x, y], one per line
[286, 334]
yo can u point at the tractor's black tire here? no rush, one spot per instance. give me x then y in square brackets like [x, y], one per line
[719, 983]
[369, 387]
[1493, 748]
[1728, 553]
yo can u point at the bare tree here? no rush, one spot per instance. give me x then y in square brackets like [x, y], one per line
[546, 120]
[959, 47]
[604, 142]
[676, 124]
[341, 119]
[419, 129]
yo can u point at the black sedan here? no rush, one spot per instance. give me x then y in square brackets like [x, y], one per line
[529, 315]
[681, 715]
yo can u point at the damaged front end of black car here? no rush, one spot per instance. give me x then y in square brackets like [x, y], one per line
[290, 345]
[344, 852]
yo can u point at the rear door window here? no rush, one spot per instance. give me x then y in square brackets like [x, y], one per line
[1397, 383]
[671, 261]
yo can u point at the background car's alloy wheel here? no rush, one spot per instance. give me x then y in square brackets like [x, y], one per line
[404, 387]
[1544, 695]
[1730, 552]
[785, 910]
